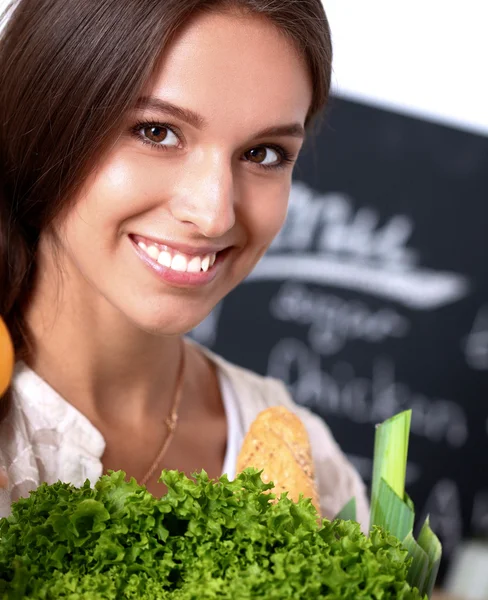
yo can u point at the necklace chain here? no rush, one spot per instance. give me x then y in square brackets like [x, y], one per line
[171, 421]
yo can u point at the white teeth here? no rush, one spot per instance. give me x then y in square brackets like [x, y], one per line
[179, 263]
[194, 265]
[205, 263]
[153, 252]
[165, 259]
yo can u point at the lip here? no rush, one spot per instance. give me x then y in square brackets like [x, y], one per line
[182, 248]
[178, 278]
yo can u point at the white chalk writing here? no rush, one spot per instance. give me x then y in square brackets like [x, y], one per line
[339, 391]
[325, 241]
[328, 223]
[333, 321]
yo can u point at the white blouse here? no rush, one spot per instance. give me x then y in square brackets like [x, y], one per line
[46, 439]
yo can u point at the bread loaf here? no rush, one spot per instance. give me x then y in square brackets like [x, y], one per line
[277, 443]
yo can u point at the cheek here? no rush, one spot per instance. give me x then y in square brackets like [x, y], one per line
[120, 190]
[116, 192]
[266, 211]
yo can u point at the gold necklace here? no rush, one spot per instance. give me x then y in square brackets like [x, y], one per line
[170, 421]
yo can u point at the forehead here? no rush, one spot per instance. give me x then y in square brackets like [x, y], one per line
[236, 67]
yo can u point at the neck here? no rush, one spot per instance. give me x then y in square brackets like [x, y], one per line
[98, 360]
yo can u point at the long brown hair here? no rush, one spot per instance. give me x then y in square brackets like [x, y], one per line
[69, 71]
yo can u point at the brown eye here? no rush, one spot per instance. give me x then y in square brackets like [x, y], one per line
[159, 135]
[156, 134]
[263, 155]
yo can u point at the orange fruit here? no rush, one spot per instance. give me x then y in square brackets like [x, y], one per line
[6, 357]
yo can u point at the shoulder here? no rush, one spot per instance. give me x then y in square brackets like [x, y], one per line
[16, 456]
[337, 479]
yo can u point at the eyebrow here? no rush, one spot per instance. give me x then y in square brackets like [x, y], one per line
[291, 130]
[192, 118]
[184, 114]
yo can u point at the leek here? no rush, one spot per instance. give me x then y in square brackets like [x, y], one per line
[393, 510]
[417, 573]
[431, 545]
[390, 454]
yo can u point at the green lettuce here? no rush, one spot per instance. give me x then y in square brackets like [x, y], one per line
[203, 540]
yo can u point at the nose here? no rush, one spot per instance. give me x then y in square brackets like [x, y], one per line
[206, 193]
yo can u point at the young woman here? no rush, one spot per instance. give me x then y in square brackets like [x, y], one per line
[146, 155]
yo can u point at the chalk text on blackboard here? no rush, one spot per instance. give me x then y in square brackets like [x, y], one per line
[325, 240]
[341, 392]
[333, 321]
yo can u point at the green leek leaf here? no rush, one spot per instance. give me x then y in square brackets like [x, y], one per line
[390, 453]
[431, 545]
[418, 571]
[391, 512]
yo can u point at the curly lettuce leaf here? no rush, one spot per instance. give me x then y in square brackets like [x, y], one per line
[203, 540]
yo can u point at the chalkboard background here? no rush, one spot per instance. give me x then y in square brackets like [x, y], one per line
[374, 298]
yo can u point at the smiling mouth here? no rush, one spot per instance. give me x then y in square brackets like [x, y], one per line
[174, 260]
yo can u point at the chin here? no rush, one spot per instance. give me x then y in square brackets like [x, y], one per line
[167, 325]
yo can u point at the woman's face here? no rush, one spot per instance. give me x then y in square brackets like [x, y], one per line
[192, 194]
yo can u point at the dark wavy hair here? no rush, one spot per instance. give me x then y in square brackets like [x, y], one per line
[71, 69]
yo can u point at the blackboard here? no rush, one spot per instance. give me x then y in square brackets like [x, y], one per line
[374, 298]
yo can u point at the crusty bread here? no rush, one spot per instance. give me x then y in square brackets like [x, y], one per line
[277, 443]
